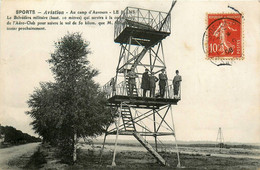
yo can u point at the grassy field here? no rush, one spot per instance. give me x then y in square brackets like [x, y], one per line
[136, 157]
[90, 159]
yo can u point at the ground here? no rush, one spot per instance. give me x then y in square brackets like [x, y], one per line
[136, 157]
[16, 156]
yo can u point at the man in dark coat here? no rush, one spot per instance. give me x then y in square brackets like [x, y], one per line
[145, 82]
[162, 83]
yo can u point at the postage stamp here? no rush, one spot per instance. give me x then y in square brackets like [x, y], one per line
[224, 36]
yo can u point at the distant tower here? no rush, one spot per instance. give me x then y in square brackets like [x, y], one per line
[140, 33]
[220, 139]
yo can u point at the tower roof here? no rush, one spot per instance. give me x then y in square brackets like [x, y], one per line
[146, 26]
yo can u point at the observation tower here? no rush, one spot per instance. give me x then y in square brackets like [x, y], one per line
[140, 33]
[220, 139]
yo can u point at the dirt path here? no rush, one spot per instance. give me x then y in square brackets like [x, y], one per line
[8, 154]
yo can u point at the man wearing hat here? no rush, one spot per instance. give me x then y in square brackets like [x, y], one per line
[153, 80]
[176, 84]
[162, 82]
[145, 82]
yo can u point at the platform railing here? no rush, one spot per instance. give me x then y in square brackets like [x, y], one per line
[146, 19]
[120, 89]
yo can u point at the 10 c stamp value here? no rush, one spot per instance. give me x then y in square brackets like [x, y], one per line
[224, 36]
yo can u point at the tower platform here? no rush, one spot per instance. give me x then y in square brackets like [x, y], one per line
[142, 102]
[145, 38]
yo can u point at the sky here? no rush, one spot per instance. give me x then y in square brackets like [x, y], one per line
[212, 97]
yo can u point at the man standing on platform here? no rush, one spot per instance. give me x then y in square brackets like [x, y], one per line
[162, 83]
[113, 85]
[131, 81]
[145, 82]
[176, 84]
[153, 80]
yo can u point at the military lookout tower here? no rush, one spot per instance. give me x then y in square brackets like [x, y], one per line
[140, 33]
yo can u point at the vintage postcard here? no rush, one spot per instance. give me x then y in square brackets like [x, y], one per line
[88, 84]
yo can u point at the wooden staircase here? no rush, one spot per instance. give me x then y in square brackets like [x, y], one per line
[150, 149]
[127, 119]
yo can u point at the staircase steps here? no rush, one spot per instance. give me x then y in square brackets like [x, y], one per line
[127, 119]
[157, 156]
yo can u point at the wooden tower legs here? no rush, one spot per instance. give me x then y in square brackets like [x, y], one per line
[175, 137]
[117, 133]
[139, 134]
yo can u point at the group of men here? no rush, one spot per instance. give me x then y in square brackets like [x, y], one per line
[149, 82]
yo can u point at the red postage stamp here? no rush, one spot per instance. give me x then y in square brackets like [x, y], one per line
[224, 35]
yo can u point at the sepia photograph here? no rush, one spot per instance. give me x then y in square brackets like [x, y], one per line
[124, 84]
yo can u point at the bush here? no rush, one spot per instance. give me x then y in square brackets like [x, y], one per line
[36, 161]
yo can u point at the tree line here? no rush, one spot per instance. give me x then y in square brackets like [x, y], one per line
[13, 136]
